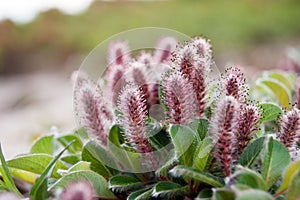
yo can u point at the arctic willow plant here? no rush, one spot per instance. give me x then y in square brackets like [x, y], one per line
[156, 130]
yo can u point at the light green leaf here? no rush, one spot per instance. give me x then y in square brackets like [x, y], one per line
[43, 145]
[26, 176]
[251, 194]
[185, 142]
[100, 159]
[82, 165]
[66, 139]
[279, 90]
[270, 112]
[276, 159]
[97, 181]
[7, 179]
[192, 174]
[293, 190]
[35, 163]
[289, 172]
[122, 183]
[169, 190]
[202, 153]
[251, 152]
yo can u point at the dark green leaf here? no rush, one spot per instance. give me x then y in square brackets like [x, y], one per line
[250, 178]
[135, 195]
[200, 126]
[122, 183]
[100, 159]
[169, 190]
[224, 194]
[270, 112]
[251, 152]
[192, 174]
[276, 159]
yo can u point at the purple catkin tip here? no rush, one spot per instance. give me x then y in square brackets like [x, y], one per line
[235, 84]
[164, 48]
[290, 129]
[178, 97]
[119, 53]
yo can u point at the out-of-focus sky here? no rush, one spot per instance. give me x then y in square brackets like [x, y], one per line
[23, 11]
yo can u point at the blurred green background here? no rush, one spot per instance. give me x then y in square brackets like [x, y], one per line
[236, 28]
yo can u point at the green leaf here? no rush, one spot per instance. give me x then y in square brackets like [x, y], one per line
[71, 158]
[139, 194]
[26, 176]
[276, 159]
[192, 174]
[97, 181]
[270, 112]
[121, 183]
[282, 78]
[35, 163]
[66, 139]
[7, 179]
[185, 143]
[251, 194]
[200, 126]
[163, 170]
[43, 145]
[100, 159]
[130, 161]
[82, 165]
[251, 152]
[223, 194]
[289, 172]
[293, 190]
[279, 90]
[250, 178]
[169, 190]
[202, 154]
[39, 189]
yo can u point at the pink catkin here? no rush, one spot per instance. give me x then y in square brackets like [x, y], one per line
[194, 61]
[249, 117]
[290, 128]
[178, 98]
[118, 53]
[163, 49]
[91, 109]
[223, 125]
[133, 107]
[235, 84]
